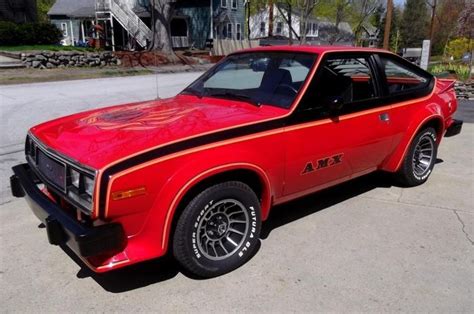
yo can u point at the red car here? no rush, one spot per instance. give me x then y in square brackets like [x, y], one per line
[197, 174]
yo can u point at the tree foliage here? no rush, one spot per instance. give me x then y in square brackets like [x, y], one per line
[414, 26]
[43, 8]
[458, 47]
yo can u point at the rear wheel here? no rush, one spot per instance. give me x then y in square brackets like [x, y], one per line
[218, 230]
[419, 159]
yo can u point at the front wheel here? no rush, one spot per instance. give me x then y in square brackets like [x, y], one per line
[218, 230]
[419, 159]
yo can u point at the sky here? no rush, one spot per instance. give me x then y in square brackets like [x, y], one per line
[399, 2]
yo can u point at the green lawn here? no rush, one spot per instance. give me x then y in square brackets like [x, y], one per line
[43, 47]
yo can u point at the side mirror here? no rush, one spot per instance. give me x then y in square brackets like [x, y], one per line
[334, 104]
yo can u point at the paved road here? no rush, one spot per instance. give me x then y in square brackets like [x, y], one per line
[362, 246]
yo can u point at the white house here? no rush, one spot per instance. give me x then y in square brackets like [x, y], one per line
[319, 30]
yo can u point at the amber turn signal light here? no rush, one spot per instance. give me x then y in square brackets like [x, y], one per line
[119, 195]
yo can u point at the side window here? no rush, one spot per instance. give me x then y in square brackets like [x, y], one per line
[348, 79]
[400, 78]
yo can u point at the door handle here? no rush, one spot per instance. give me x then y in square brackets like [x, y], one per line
[384, 117]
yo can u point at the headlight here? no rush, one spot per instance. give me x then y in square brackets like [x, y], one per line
[88, 185]
[80, 187]
[75, 178]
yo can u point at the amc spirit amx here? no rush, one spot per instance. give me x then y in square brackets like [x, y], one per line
[196, 174]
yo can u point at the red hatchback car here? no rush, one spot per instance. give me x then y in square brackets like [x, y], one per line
[198, 173]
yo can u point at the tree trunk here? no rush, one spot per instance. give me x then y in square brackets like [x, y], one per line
[163, 13]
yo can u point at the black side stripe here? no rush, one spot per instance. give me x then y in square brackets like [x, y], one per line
[180, 146]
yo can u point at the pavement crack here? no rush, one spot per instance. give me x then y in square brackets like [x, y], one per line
[463, 227]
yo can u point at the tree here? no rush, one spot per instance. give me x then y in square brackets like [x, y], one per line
[445, 24]
[43, 8]
[162, 12]
[465, 28]
[414, 23]
[361, 12]
[394, 39]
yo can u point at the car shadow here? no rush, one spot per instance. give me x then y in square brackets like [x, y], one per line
[165, 268]
[286, 213]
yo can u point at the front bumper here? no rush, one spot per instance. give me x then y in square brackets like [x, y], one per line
[85, 241]
[454, 128]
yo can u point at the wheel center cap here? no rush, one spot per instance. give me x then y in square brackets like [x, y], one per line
[221, 228]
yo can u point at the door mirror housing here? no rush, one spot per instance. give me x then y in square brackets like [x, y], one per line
[334, 104]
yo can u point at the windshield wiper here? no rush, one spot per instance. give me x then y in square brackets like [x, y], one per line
[230, 95]
[192, 91]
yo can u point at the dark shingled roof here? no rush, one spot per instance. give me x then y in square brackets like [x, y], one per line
[73, 8]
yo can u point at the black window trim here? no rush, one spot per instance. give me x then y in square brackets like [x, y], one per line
[382, 97]
[355, 106]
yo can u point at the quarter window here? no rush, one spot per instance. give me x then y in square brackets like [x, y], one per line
[400, 78]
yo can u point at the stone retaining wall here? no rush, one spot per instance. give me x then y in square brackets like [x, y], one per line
[464, 90]
[50, 60]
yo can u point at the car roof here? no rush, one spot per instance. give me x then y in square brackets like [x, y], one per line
[315, 49]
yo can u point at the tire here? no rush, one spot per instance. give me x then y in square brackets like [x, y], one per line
[218, 231]
[420, 159]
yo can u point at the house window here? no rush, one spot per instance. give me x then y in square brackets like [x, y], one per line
[224, 3]
[279, 27]
[229, 31]
[262, 28]
[315, 30]
[234, 4]
[64, 29]
[238, 31]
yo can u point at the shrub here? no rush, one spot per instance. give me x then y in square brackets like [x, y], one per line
[29, 34]
[8, 33]
[457, 47]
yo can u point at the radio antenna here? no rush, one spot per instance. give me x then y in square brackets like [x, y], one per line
[155, 63]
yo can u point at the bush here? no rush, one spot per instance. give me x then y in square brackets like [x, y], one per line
[8, 33]
[12, 34]
[457, 47]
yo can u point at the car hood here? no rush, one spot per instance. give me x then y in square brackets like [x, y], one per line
[100, 137]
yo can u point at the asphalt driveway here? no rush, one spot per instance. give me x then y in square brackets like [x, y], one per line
[363, 246]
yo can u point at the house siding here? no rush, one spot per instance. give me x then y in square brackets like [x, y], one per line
[229, 15]
[198, 19]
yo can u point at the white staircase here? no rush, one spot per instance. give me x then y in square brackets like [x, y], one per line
[108, 9]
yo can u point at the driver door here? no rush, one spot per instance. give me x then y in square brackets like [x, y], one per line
[326, 145]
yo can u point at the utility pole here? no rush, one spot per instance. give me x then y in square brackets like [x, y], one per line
[270, 18]
[388, 25]
[433, 15]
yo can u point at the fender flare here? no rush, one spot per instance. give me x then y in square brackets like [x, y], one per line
[395, 160]
[266, 193]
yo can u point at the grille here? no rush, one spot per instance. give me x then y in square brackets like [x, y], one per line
[52, 170]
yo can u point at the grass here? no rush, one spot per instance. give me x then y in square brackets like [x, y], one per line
[21, 76]
[43, 47]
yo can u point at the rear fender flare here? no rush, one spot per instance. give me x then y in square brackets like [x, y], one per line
[393, 163]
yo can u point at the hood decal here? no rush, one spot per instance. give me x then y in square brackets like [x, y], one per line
[136, 118]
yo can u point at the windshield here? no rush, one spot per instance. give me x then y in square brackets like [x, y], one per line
[259, 78]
